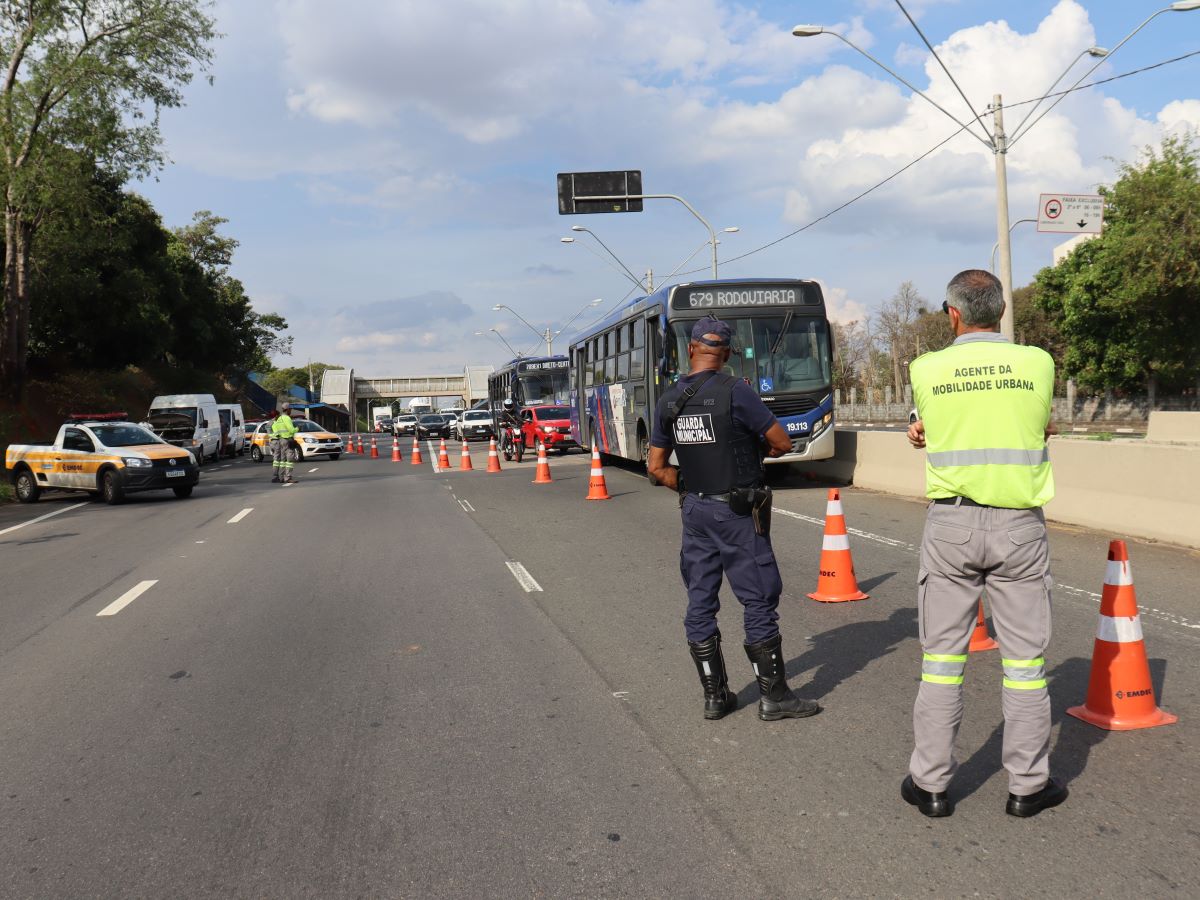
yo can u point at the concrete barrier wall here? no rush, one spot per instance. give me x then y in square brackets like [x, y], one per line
[1126, 489]
[1174, 426]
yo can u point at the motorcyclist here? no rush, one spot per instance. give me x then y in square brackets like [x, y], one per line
[510, 418]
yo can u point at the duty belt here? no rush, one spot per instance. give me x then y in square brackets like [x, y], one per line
[967, 501]
[724, 498]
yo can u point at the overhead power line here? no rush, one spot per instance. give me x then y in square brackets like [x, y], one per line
[934, 149]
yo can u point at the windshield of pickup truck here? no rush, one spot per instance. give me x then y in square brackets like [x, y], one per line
[124, 435]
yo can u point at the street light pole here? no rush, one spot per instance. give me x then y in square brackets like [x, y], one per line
[541, 335]
[996, 246]
[712, 235]
[632, 277]
[502, 340]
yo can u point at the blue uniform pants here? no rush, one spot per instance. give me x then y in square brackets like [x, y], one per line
[718, 542]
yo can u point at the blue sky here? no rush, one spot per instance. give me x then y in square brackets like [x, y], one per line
[390, 168]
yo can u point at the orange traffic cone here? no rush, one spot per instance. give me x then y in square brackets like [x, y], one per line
[980, 639]
[836, 583]
[395, 449]
[493, 457]
[360, 446]
[597, 489]
[1120, 693]
[416, 454]
[443, 456]
[374, 448]
[542, 476]
[349, 443]
[465, 462]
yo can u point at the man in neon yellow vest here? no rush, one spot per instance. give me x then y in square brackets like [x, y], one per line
[283, 431]
[984, 406]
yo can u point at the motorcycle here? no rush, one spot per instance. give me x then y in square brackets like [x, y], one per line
[512, 443]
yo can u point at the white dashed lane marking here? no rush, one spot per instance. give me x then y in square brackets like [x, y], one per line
[466, 505]
[523, 577]
[240, 516]
[313, 469]
[49, 515]
[126, 598]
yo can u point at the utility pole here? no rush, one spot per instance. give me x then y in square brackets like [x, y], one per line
[1000, 151]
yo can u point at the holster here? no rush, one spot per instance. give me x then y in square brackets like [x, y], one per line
[753, 502]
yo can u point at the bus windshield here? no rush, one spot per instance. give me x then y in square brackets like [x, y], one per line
[784, 353]
[546, 386]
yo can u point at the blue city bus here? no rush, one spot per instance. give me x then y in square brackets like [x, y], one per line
[781, 346]
[529, 381]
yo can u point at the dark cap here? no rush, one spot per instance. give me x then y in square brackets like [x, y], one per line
[712, 325]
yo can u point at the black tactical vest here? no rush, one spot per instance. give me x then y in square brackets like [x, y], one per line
[714, 455]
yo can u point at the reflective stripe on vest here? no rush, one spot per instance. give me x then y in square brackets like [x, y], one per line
[943, 668]
[996, 456]
[1024, 674]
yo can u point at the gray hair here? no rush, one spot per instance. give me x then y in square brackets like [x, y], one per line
[978, 297]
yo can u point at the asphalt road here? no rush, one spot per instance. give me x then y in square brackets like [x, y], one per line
[389, 682]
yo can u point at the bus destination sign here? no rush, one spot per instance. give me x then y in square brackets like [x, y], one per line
[547, 364]
[734, 296]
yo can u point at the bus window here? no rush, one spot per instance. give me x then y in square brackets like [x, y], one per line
[610, 370]
[637, 364]
[637, 333]
[623, 367]
[616, 345]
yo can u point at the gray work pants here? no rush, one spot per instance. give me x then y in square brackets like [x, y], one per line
[966, 549]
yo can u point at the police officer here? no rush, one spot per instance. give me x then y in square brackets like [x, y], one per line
[283, 450]
[985, 409]
[717, 425]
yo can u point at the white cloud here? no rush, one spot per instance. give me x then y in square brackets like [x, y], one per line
[839, 307]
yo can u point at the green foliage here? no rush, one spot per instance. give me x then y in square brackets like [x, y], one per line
[278, 381]
[1127, 304]
[112, 287]
[85, 81]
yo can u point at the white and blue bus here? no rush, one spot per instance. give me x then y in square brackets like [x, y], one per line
[781, 346]
[529, 381]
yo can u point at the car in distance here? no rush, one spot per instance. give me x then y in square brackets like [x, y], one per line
[474, 425]
[404, 424]
[433, 425]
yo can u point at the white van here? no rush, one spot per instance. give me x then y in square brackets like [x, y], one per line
[233, 429]
[190, 421]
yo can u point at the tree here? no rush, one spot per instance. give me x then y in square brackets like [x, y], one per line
[88, 76]
[907, 329]
[851, 351]
[278, 381]
[1128, 302]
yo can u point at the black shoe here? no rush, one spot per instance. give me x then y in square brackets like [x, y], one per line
[275, 479]
[1054, 793]
[776, 700]
[930, 803]
[719, 701]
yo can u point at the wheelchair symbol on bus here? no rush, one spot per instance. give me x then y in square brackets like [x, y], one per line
[766, 384]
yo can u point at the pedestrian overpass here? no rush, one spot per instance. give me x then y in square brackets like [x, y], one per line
[342, 387]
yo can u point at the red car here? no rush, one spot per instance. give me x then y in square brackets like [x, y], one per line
[548, 424]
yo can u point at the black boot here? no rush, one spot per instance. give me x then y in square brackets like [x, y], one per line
[719, 701]
[777, 700]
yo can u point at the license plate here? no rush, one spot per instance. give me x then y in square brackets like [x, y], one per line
[175, 474]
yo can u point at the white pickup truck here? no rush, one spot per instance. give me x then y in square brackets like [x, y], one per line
[107, 459]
